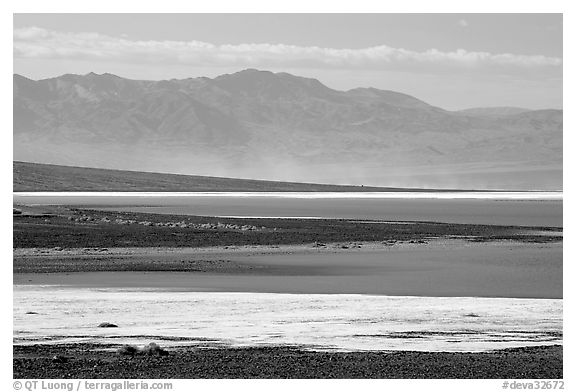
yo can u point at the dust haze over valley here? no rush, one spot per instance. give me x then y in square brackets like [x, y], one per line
[278, 126]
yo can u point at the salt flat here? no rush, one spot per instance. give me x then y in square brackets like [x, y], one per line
[322, 322]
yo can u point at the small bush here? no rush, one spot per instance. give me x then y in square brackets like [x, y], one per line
[128, 350]
[151, 349]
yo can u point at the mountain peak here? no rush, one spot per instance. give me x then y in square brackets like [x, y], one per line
[254, 71]
[248, 72]
[105, 75]
[270, 85]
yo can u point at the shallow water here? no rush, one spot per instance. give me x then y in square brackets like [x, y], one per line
[322, 322]
[442, 269]
[498, 208]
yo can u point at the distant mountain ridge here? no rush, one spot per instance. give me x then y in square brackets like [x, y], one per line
[259, 124]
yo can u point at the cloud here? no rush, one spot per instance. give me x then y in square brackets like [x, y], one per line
[463, 23]
[39, 43]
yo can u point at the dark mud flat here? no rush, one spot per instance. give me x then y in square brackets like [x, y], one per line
[60, 229]
[89, 361]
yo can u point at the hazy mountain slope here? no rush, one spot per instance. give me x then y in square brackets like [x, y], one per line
[498, 111]
[257, 124]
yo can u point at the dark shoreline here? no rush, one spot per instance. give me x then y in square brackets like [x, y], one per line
[64, 227]
[90, 361]
[284, 255]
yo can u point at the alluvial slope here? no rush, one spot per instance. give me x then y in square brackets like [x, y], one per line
[260, 124]
[37, 177]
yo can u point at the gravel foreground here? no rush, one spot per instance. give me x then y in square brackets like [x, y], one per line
[91, 361]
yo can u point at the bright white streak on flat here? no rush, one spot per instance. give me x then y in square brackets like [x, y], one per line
[324, 321]
[548, 195]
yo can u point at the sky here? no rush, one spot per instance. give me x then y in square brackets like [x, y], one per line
[454, 61]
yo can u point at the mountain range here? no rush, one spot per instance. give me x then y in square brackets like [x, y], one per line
[277, 126]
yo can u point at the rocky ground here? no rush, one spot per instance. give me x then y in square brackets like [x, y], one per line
[90, 361]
